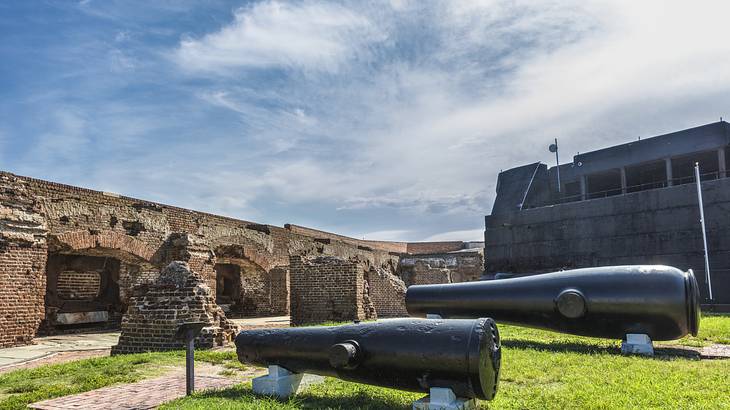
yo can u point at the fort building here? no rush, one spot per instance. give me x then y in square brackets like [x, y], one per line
[74, 259]
[634, 203]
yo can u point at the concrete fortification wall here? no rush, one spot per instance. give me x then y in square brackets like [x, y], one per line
[658, 226]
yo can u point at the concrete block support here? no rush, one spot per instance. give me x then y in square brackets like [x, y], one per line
[443, 399]
[279, 382]
[637, 344]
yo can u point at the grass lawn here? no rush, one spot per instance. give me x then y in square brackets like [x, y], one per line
[540, 370]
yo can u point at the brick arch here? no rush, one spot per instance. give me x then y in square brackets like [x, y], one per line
[83, 239]
[261, 258]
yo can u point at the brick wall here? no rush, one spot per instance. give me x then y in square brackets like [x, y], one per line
[434, 247]
[279, 279]
[387, 293]
[41, 220]
[72, 285]
[23, 253]
[22, 287]
[462, 266]
[326, 289]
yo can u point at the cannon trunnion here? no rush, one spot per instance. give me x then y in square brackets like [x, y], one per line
[407, 354]
[610, 302]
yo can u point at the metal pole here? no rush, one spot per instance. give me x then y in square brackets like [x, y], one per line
[557, 161]
[190, 362]
[704, 231]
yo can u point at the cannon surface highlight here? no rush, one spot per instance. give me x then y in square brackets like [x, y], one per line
[407, 354]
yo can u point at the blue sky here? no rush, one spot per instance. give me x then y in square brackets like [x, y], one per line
[384, 120]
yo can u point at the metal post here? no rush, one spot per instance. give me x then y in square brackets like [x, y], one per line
[704, 231]
[557, 162]
[190, 362]
[554, 148]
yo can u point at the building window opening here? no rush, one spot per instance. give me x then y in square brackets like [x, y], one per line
[683, 168]
[642, 177]
[604, 184]
[228, 283]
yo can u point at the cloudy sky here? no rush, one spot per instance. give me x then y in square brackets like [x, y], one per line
[384, 119]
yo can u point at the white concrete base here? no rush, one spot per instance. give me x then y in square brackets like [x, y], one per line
[279, 382]
[444, 399]
[82, 317]
[637, 343]
[432, 316]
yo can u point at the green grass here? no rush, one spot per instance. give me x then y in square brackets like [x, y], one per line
[540, 370]
[21, 387]
[714, 328]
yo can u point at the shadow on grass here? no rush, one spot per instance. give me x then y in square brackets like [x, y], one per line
[572, 347]
[307, 400]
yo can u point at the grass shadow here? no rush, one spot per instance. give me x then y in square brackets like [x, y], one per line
[307, 400]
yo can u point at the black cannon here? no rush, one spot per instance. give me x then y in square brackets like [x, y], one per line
[610, 302]
[406, 354]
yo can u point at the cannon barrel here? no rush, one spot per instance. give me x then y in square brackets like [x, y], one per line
[608, 302]
[408, 354]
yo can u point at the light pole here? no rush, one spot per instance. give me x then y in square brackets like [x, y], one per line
[554, 148]
[704, 231]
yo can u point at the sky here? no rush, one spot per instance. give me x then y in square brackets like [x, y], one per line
[385, 120]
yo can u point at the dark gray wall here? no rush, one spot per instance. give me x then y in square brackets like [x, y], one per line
[514, 183]
[650, 227]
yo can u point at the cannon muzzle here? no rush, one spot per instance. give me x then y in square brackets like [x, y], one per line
[608, 302]
[407, 354]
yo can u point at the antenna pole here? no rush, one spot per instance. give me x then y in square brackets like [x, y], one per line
[557, 161]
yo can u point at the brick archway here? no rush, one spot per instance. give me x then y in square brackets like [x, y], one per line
[80, 240]
[263, 259]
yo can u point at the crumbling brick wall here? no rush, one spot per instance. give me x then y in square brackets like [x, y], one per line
[22, 286]
[452, 267]
[335, 289]
[279, 278]
[327, 289]
[23, 252]
[157, 310]
[387, 293]
[40, 220]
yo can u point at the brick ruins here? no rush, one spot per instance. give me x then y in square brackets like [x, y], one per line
[156, 311]
[335, 289]
[71, 259]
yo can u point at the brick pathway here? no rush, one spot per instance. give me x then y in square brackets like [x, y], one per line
[146, 394]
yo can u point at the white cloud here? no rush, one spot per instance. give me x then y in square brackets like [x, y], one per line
[395, 235]
[455, 91]
[388, 116]
[310, 35]
[465, 235]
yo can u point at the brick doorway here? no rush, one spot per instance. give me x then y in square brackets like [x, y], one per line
[82, 293]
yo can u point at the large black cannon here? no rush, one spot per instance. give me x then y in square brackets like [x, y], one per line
[407, 354]
[611, 302]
